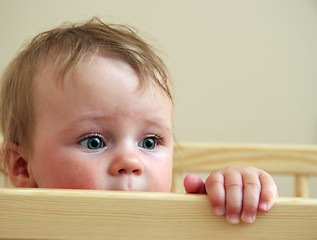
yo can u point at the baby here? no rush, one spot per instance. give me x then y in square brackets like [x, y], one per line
[89, 106]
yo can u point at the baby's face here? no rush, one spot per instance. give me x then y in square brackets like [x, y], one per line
[98, 130]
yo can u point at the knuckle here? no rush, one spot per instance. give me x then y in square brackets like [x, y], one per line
[217, 201]
[216, 172]
[214, 179]
[233, 184]
[265, 175]
[233, 208]
[268, 194]
[250, 205]
[253, 184]
[212, 182]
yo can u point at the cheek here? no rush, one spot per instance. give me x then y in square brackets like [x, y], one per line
[66, 171]
[160, 175]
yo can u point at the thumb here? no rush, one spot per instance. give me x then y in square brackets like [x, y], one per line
[193, 184]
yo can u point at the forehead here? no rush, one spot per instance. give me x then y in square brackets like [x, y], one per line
[55, 68]
[95, 74]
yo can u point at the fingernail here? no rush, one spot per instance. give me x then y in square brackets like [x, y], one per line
[264, 206]
[233, 218]
[219, 211]
[248, 217]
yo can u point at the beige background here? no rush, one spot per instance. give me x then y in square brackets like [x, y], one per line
[244, 71]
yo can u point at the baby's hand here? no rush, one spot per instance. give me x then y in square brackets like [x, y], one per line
[237, 192]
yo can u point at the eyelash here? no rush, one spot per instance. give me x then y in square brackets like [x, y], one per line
[159, 139]
[92, 136]
[148, 144]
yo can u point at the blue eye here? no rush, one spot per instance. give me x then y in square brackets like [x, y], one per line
[148, 143]
[92, 143]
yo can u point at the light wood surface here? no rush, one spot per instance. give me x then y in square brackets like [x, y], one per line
[300, 161]
[90, 214]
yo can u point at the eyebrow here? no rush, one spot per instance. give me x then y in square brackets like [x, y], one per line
[158, 122]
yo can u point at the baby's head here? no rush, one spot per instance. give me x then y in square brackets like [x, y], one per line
[88, 106]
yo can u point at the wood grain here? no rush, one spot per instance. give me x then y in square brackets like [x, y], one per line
[272, 158]
[91, 214]
[297, 160]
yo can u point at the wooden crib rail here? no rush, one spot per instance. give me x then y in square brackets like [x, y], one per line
[297, 160]
[91, 214]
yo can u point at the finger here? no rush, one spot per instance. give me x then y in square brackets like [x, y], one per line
[193, 184]
[216, 193]
[251, 196]
[233, 188]
[268, 192]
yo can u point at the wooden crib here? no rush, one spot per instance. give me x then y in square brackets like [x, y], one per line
[91, 214]
[299, 161]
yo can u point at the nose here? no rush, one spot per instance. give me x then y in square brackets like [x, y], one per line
[126, 163]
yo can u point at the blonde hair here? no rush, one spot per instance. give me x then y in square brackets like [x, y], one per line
[65, 47]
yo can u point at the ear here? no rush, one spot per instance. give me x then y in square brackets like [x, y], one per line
[18, 166]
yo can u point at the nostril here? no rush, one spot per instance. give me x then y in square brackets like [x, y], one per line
[136, 171]
[124, 171]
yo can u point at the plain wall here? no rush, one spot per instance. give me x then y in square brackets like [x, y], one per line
[244, 71]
